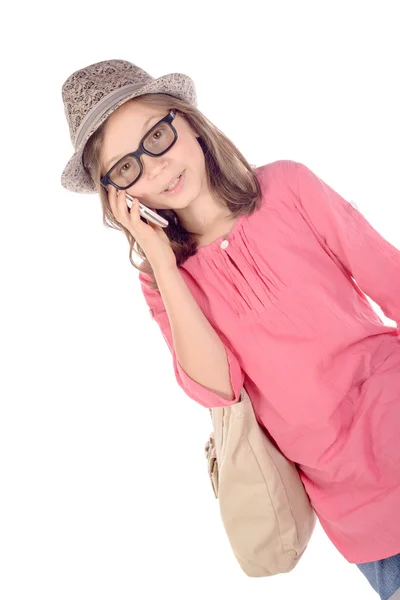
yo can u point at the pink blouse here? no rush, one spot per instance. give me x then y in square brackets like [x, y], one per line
[320, 367]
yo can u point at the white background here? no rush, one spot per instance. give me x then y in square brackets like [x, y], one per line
[104, 485]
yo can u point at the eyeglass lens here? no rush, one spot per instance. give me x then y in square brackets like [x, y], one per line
[157, 141]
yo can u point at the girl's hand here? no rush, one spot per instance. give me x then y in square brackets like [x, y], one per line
[151, 238]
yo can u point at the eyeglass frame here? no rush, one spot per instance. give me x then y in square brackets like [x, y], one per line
[105, 180]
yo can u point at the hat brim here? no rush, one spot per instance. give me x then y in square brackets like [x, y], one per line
[74, 177]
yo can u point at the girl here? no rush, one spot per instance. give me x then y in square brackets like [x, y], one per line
[256, 282]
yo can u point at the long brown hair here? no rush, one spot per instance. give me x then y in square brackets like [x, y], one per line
[230, 178]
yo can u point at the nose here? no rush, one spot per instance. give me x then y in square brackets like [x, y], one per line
[153, 165]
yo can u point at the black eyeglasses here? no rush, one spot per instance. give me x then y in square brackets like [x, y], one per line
[157, 141]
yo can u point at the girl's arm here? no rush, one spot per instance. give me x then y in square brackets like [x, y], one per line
[204, 367]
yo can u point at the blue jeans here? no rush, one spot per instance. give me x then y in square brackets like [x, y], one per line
[383, 575]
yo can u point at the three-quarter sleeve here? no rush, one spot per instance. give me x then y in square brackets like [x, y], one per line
[371, 260]
[193, 389]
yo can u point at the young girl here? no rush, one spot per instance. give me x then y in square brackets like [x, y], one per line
[253, 283]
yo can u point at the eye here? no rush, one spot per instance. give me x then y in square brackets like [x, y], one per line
[125, 167]
[157, 134]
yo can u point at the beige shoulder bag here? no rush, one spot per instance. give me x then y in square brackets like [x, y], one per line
[265, 509]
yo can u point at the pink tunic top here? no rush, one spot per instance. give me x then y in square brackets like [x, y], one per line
[320, 367]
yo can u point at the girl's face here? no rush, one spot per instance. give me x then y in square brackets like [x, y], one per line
[123, 132]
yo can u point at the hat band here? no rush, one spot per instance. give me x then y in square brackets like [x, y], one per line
[102, 107]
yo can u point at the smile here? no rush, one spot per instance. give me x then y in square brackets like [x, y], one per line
[176, 185]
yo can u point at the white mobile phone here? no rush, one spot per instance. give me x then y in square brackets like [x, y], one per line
[147, 213]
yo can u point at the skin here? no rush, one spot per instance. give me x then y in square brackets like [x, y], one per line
[196, 208]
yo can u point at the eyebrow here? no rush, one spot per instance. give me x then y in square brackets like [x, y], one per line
[115, 158]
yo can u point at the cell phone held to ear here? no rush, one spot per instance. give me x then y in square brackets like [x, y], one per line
[147, 213]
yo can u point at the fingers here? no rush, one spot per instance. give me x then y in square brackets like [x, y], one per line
[112, 198]
[134, 216]
[118, 203]
[125, 211]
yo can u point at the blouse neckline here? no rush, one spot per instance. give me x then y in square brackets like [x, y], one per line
[216, 244]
